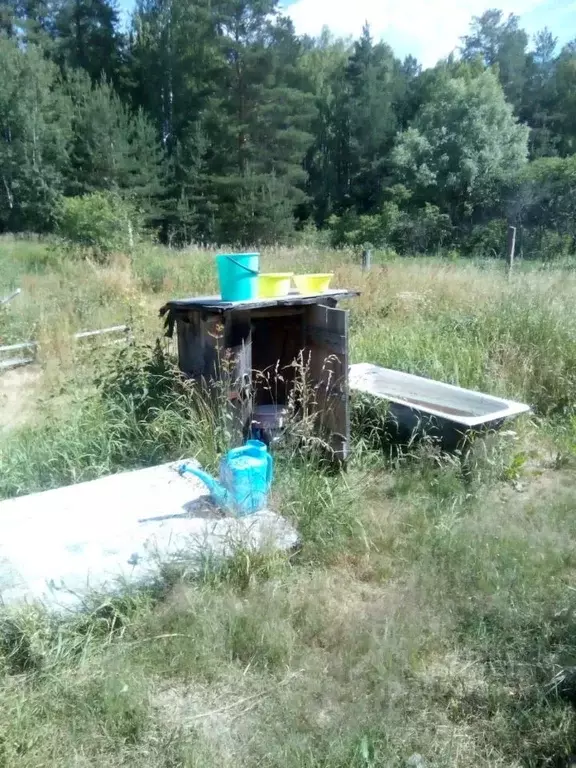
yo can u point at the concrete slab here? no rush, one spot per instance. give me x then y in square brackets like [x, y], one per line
[117, 532]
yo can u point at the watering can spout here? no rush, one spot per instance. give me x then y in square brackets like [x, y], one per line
[217, 491]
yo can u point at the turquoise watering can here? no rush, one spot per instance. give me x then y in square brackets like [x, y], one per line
[245, 479]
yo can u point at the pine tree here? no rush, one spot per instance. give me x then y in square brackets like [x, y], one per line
[564, 103]
[539, 96]
[325, 63]
[188, 211]
[503, 44]
[373, 81]
[176, 66]
[261, 122]
[500, 43]
[7, 19]
[86, 37]
[35, 130]
[223, 83]
[31, 21]
[359, 114]
[112, 148]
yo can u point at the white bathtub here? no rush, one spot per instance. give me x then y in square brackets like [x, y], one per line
[419, 404]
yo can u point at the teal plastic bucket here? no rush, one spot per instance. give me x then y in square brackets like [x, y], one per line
[238, 275]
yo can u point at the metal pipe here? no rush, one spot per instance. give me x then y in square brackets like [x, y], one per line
[113, 329]
[15, 347]
[81, 335]
[15, 362]
[11, 296]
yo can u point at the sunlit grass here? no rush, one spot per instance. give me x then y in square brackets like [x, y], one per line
[427, 608]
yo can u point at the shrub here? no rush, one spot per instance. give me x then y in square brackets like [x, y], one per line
[367, 229]
[554, 246]
[422, 230]
[98, 224]
[426, 229]
[312, 237]
[487, 240]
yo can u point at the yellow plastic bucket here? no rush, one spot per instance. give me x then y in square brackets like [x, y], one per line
[273, 285]
[311, 284]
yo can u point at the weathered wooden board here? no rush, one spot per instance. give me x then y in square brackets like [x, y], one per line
[200, 343]
[327, 350]
[236, 370]
[216, 304]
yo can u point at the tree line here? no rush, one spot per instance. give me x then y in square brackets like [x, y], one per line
[218, 123]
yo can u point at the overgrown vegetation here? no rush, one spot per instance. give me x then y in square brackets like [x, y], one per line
[431, 605]
[427, 618]
[97, 225]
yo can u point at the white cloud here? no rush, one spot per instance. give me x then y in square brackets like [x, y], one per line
[430, 29]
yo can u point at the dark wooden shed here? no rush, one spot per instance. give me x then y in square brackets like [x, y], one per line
[252, 347]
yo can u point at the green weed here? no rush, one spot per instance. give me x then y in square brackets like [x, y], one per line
[430, 603]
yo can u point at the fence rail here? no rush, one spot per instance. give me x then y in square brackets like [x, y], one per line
[10, 296]
[16, 362]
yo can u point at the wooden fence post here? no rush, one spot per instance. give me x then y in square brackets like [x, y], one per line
[366, 259]
[511, 248]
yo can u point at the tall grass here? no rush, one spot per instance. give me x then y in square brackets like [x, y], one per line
[424, 615]
[475, 330]
[440, 640]
[458, 322]
[140, 413]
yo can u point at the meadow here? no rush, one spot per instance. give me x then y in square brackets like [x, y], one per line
[428, 618]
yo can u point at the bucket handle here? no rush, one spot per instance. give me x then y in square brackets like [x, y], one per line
[243, 266]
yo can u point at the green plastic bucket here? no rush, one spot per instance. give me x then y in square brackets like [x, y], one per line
[238, 275]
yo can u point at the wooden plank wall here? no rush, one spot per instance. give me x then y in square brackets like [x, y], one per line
[327, 346]
[253, 354]
[200, 344]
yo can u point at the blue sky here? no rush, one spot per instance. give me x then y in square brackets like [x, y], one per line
[429, 29]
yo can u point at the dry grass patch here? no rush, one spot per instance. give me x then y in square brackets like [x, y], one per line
[19, 391]
[431, 602]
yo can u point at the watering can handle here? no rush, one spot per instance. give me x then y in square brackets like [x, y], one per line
[236, 452]
[269, 470]
[243, 266]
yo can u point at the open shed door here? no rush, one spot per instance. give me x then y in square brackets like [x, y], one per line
[327, 346]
